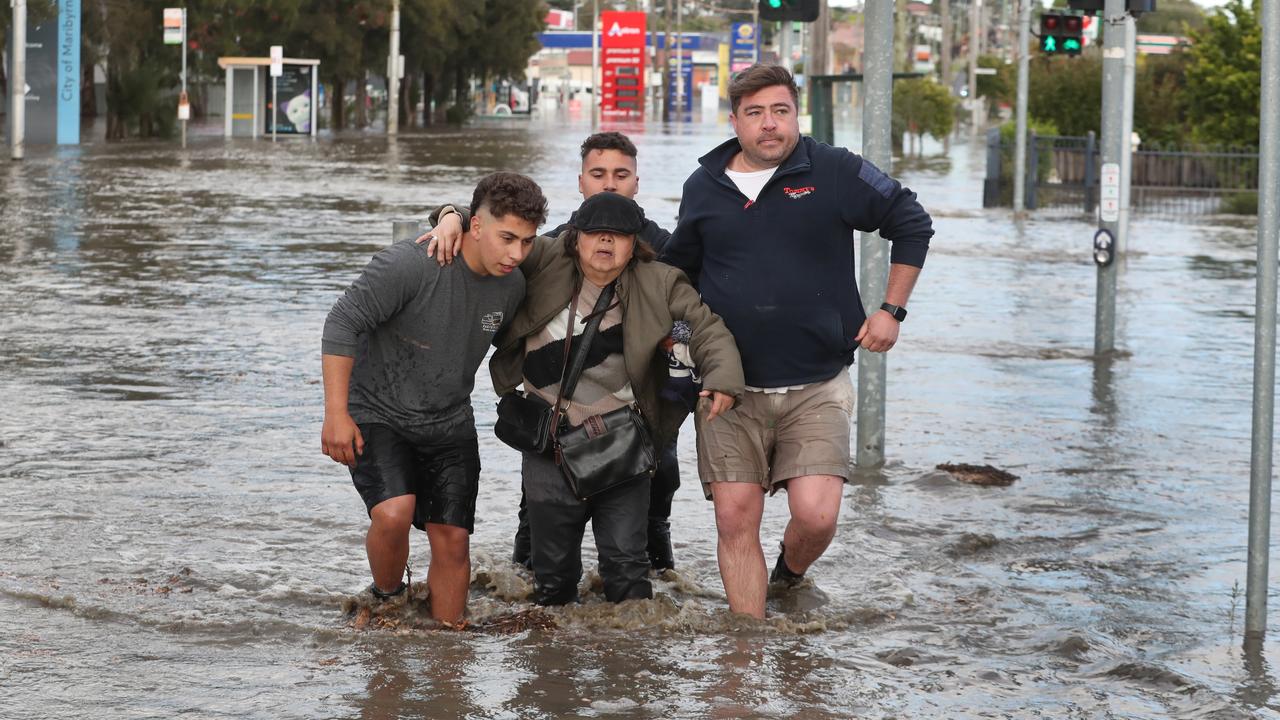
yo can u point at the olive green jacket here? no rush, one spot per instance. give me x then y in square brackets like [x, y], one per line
[652, 296]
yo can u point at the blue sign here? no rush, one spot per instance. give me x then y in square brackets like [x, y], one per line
[582, 40]
[744, 39]
[685, 80]
[68, 72]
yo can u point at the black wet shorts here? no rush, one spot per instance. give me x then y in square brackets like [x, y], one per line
[444, 473]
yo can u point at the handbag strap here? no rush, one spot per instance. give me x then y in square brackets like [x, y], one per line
[572, 371]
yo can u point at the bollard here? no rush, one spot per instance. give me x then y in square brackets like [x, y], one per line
[406, 230]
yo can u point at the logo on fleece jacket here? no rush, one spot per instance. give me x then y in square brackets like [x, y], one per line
[797, 193]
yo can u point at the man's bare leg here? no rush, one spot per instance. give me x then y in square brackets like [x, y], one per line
[814, 501]
[449, 574]
[739, 508]
[387, 542]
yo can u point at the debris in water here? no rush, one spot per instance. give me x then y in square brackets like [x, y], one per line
[516, 622]
[984, 475]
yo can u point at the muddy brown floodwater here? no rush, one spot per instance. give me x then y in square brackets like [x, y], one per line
[174, 543]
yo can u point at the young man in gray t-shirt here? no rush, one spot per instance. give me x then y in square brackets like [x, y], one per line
[400, 353]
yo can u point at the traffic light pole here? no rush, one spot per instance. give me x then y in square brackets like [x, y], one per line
[1020, 144]
[877, 115]
[1264, 347]
[1113, 101]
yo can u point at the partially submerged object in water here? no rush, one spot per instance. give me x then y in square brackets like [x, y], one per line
[984, 475]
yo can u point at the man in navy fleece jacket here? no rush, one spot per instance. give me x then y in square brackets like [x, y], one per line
[767, 227]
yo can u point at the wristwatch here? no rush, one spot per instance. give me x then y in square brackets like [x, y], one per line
[898, 313]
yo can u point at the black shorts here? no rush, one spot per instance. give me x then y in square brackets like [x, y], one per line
[444, 473]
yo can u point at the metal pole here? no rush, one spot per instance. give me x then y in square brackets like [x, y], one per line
[1113, 52]
[755, 23]
[595, 63]
[184, 73]
[1126, 131]
[784, 44]
[18, 81]
[1020, 143]
[1264, 330]
[680, 100]
[975, 29]
[877, 114]
[945, 50]
[393, 74]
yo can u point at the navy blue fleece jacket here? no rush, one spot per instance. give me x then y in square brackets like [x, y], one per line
[781, 270]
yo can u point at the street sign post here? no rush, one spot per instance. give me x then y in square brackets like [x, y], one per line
[175, 33]
[277, 69]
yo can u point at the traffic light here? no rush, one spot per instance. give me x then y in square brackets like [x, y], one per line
[1061, 34]
[795, 10]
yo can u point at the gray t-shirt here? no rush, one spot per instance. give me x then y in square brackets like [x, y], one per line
[418, 332]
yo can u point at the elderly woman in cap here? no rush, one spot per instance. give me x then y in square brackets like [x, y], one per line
[625, 365]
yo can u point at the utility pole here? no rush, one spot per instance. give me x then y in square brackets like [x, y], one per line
[755, 23]
[784, 45]
[184, 78]
[1113, 102]
[975, 30]
[1264, 331]
[1020, 143]
[945, 51]
[877, 116]
[816, 63]
[680, 100]
[393, 72]
[595, 63]
[18, 81]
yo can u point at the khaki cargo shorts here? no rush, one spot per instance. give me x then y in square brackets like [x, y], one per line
[769, 438]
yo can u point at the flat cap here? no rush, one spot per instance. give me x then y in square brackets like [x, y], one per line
[609, 211]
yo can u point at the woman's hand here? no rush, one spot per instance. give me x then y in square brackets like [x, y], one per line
[720, 403]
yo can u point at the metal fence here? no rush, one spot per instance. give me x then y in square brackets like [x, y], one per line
[1062, 174]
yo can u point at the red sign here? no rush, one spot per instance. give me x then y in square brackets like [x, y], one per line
[622, 54]
[559, 20]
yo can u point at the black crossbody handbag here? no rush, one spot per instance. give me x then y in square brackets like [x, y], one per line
[526, 421]
[607, 450]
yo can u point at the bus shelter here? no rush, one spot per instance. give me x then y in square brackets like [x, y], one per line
[249, 111]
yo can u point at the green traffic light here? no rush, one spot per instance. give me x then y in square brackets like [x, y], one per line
[775, 4]
[1071, 44]
[1050, 44]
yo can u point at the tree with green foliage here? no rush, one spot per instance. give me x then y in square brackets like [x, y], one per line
[446, 44]
[1223, 88]
[1172, 17]
[1000, 88]
[921, 106]
[1066, 92]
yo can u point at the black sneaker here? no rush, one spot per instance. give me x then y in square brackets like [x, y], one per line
[781, 573]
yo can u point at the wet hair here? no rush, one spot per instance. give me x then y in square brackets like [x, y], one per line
[508, 193]
[758, 77]
[641, 252]
[608, 141]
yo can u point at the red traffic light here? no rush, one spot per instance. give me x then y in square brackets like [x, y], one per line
[1072, 24]
[1049, 22]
